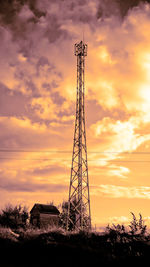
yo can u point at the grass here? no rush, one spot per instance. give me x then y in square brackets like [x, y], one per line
[54, 246]
[8, 234]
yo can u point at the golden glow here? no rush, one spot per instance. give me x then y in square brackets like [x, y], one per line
[38, 110]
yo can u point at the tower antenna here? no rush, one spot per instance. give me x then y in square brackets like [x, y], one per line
[79, 214]
[83, 34]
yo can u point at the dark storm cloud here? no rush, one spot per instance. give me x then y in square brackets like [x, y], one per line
[26, 18]
[54, 31]
[9, 9]
[11, 184]
[120, 8]
[41, 63]
[25, 136]
[23, 18]
[46, 170]
[16, 104]
[100, 112]
[12, 103]
[129, 4]
[17, 186]
[74, 10]
[107, 8]
[57, 98]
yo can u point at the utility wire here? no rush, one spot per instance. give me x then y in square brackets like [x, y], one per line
[64, 160]
[65, 151]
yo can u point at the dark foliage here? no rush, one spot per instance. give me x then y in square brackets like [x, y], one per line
[73, 249]
[14, 217]
[118, 245]
[63, 214]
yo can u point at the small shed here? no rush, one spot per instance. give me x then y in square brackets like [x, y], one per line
[42, 215]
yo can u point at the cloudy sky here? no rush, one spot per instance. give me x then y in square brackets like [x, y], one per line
[38, 94]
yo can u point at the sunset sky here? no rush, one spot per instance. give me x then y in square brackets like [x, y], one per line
[37, 103]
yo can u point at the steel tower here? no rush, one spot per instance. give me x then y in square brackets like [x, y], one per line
[79, 216]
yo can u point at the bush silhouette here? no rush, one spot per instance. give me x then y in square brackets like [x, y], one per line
[136, 230]
[137, 226]
[14, 217]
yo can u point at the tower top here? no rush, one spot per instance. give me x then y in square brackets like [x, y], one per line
[80, 49]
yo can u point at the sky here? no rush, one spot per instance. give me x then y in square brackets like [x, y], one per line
[38, 95]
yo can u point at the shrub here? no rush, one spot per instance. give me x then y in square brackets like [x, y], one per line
[14, 217]
[63, 214]
[135, 231]
[137, 226]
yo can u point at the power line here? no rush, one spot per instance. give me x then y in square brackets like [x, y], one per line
[65, 151]
[64, 160]
[34, 151]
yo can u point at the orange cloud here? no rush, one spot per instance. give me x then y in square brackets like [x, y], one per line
[113, 191]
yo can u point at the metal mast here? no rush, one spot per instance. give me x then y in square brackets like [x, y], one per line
[79, 216]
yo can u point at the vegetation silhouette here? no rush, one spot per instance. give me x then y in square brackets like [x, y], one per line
[14, 216]
[54, 246]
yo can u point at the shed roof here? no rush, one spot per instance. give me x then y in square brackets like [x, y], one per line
[43, 208]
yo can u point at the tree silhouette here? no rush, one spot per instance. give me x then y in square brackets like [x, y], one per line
[14, 217]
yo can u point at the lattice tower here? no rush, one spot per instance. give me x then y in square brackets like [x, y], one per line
[79, 215]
